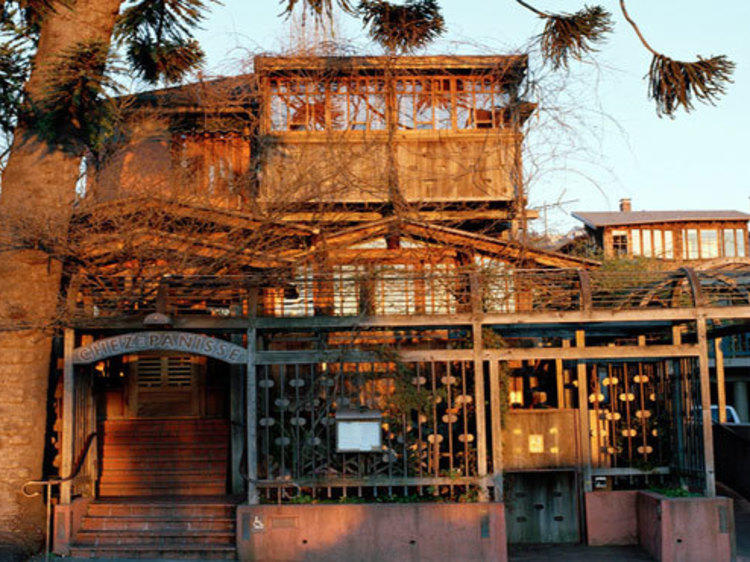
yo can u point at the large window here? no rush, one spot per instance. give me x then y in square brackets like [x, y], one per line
[709, 244]
[730, 248]
[421, 103]
[690, 244]
[636, 242]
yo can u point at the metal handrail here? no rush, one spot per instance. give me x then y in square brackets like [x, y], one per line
[56, 482]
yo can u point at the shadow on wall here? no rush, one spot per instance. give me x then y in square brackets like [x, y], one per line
[372, 532]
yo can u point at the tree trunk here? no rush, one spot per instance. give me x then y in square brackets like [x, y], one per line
[38, 188]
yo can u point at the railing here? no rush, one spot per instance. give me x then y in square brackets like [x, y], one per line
[399, 291]
[47, 484]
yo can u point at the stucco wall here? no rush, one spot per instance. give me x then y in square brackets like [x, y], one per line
[372, 532]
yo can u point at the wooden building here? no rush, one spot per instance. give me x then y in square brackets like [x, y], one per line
[306, 285]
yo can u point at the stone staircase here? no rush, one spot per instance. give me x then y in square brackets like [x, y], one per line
[137, 527]
[170, 457]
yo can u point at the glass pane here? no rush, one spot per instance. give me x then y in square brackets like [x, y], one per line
[692, 244]
[636, 242]
[709, 244]
[668, 245]
[729, 248]
[740, 242]
[658, 249]
[647, 243]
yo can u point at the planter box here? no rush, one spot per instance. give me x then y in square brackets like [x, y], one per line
[439, 531]
[686, 529]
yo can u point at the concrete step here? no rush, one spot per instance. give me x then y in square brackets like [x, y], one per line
[149, 551]
[156, 523]
[172, 507]
[168, 489]
[156, 538]
[159, 463]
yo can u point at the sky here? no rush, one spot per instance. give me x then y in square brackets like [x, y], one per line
[610, 144]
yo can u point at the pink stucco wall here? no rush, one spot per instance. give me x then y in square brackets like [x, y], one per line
[686, 529]
[611, 518]
[372, 532]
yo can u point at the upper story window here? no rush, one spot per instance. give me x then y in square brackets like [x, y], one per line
[420, 103]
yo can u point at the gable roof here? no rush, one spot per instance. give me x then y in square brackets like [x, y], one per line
[490, 246]
[616, 218]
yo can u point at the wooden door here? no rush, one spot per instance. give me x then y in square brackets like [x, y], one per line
[167, 386]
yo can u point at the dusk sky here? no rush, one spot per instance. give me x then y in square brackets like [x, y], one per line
[616, 146]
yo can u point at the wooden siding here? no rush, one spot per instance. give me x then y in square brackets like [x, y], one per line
[353, 168]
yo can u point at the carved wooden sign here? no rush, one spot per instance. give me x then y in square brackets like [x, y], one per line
[184, 342]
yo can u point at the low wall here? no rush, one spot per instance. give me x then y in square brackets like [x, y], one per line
[348, 532]
[686, 529]
[611, 518]
[67, 520]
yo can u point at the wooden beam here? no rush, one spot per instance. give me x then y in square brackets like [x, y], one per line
[67, 445]
[583, 413]
[708, 437]
[251, 420]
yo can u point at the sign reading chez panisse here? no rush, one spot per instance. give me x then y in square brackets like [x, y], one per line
[161, 341]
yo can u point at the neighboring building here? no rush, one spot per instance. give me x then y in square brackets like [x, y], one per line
[675, 236]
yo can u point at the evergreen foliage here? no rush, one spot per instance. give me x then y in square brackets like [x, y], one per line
[157, 35]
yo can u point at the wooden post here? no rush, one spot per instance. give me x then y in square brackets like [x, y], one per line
[250, 418]
[708, 436]
[237, 421]
[721, 391]
[497, 430]
[583, 413]
[560, 373]
[480, 412]
[479, 398]
[66, 465]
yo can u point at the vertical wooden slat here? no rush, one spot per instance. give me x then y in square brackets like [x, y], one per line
[250, 418]
[705, 386]
[721, 395]
[67, 413]
[583, 412]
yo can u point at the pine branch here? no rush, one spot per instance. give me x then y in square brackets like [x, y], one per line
[402, 28]
[571, 35]
[672, 83]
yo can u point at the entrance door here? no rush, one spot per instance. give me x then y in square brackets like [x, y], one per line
[166, 386]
